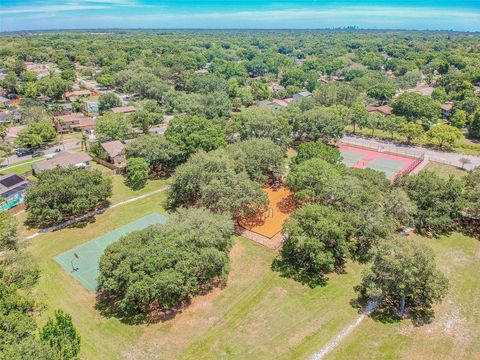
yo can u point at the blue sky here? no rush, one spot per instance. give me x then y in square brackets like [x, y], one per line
[225, 14]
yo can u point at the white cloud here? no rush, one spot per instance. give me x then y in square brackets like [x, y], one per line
[50, 8]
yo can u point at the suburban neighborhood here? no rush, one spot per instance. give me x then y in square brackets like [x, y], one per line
[239, 194]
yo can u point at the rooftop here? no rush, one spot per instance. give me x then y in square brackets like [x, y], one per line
[123, 109]
[62, 159]
[384, 109]
[113, 148]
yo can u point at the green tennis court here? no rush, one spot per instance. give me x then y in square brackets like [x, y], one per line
[84, 268]
[350, 157]
[390, 167]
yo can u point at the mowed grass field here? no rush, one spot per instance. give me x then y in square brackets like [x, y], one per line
[455, 332]
[260, 315]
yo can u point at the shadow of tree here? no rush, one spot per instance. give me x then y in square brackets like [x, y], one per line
[110, 307]
[304, 277]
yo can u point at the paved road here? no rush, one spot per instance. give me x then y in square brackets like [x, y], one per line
[444, 157]
[14, 158]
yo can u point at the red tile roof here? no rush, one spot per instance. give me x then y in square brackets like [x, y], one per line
[447, 107]
[384, 109]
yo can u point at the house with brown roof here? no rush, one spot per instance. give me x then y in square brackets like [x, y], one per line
[115, 152]
[425, 90]
[72, 95]
[275, 103]
[385, 110]
[123, 109]
[75, 121]
[65, 159]
[446, 110]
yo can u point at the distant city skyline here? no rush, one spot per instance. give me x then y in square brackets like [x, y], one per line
[247, 14]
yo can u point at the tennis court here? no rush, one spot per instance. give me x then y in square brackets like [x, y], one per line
[391, 165]
[84, 267]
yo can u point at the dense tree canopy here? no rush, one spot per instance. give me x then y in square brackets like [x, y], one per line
[112, 126]
[8, 231]
[62, 194]
[404, 277]
[137, 171]
[415, 107]
[36, 134]
[317, 242]
[193, 133]
[162, 155]
[264, 122]
[310, 150]
[439, 202]
[166, 265]
[262, 159]
[214, 180]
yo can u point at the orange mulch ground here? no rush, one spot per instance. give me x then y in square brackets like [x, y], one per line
[269, 223]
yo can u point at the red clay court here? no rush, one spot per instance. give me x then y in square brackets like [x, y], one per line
[269, 223]
[391, 165]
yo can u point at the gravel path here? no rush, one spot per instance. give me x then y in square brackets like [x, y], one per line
[332, 344]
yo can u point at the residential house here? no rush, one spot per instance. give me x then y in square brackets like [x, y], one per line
[384, 110]
[72, 95]
[276, 103]
[123, 109]
[41, 70]
[92, 106]
[425, 90]
[302, 95]
[65, 159]
[446, 110]
[115, 152]
[12, 190]
[75, 121]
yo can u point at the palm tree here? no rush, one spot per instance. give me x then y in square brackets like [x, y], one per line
[84, 141]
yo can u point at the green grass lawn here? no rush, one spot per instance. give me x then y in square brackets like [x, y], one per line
[233, 322]
[102, 338]
[445, 170]
[259, 315]
[20, 167]
[455, 332]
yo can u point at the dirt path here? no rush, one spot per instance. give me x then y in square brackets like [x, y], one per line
[332, 344]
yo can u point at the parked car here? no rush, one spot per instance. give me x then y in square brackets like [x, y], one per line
[23, 152]
[37, 154]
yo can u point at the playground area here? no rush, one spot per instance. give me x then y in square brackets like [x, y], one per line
[391, 165]
[82, 262]
[269, 223]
